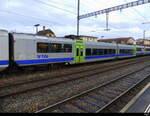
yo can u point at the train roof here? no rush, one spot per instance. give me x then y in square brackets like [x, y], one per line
[108, 44]
[34, 37]
[2, 30]
[3, 33]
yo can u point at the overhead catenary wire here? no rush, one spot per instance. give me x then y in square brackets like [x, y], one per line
[137, 12]
[64, 4]
[56, 7]
[140, 13]
[27, 16]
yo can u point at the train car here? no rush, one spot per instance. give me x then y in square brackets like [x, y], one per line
[30, 49]
[126, 51]
[98, 51]
[19, 49]
[147, 50]
[140, 50]
[4, 49]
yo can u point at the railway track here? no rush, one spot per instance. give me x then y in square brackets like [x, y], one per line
[100, 98]
[20, 88]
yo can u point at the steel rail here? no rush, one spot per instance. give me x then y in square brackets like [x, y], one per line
[104, 108]
[63, 75]
[64, 81]
[53, 106]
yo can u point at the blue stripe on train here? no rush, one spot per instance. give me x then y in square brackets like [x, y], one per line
[4, 62]
[106, 56]
[40, 61]
[102, 56]
[140, 53]
[126, 54]
[147, 52]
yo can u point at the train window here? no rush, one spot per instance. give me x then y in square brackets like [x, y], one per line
[139, 49]
[122, 51]
[55, 47]
[110, 51]
[106, 51]
[77, 52]
[95, 52]
[67, 48]
[100, 51]
[131, 51]
[113, 51]
[81, 52]
[125, 51]
[88, 52]
[147, 49]
[103, 51]
[42, 47]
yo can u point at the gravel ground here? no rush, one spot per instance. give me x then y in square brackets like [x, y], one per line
[42, 75]
[52, 81]
[26, 103]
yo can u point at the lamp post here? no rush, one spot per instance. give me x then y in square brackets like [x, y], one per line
[144, 32]
[102, 37]
[36, 26]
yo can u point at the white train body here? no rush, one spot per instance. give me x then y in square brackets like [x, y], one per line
[4, 49]
[26, 50]
[21, 49]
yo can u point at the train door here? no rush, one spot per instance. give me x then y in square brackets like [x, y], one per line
[79, 52]
[135, 50]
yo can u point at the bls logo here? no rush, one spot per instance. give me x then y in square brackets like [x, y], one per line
[42, 56]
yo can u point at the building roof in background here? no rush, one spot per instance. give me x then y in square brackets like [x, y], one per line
[46, 33]
[115, 39]
[80, 36]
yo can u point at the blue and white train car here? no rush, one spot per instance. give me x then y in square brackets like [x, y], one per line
[31, 49]
[147, 50]
[4, 49]
[125, 51]
[140, 50]
[98, 51]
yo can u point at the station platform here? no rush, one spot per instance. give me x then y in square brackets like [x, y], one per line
[140, 103]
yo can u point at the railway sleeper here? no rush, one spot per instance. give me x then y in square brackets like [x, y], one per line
[106, 94]
[94, 101]
[91, 103]
[65, 110]
[103, 101]
[119, 84]
[78, 105]
[111, 110]
[127, 82]
[86, 105]
[118, 88]
[72, 108]
[112, 92]
[57, 111]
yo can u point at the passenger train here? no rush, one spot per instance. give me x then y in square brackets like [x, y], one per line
[21, 50]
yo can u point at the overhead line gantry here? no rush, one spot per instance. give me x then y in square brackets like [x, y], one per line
[115, 8]
[107, 11]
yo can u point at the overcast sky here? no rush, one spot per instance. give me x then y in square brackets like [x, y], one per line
[60, 16]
